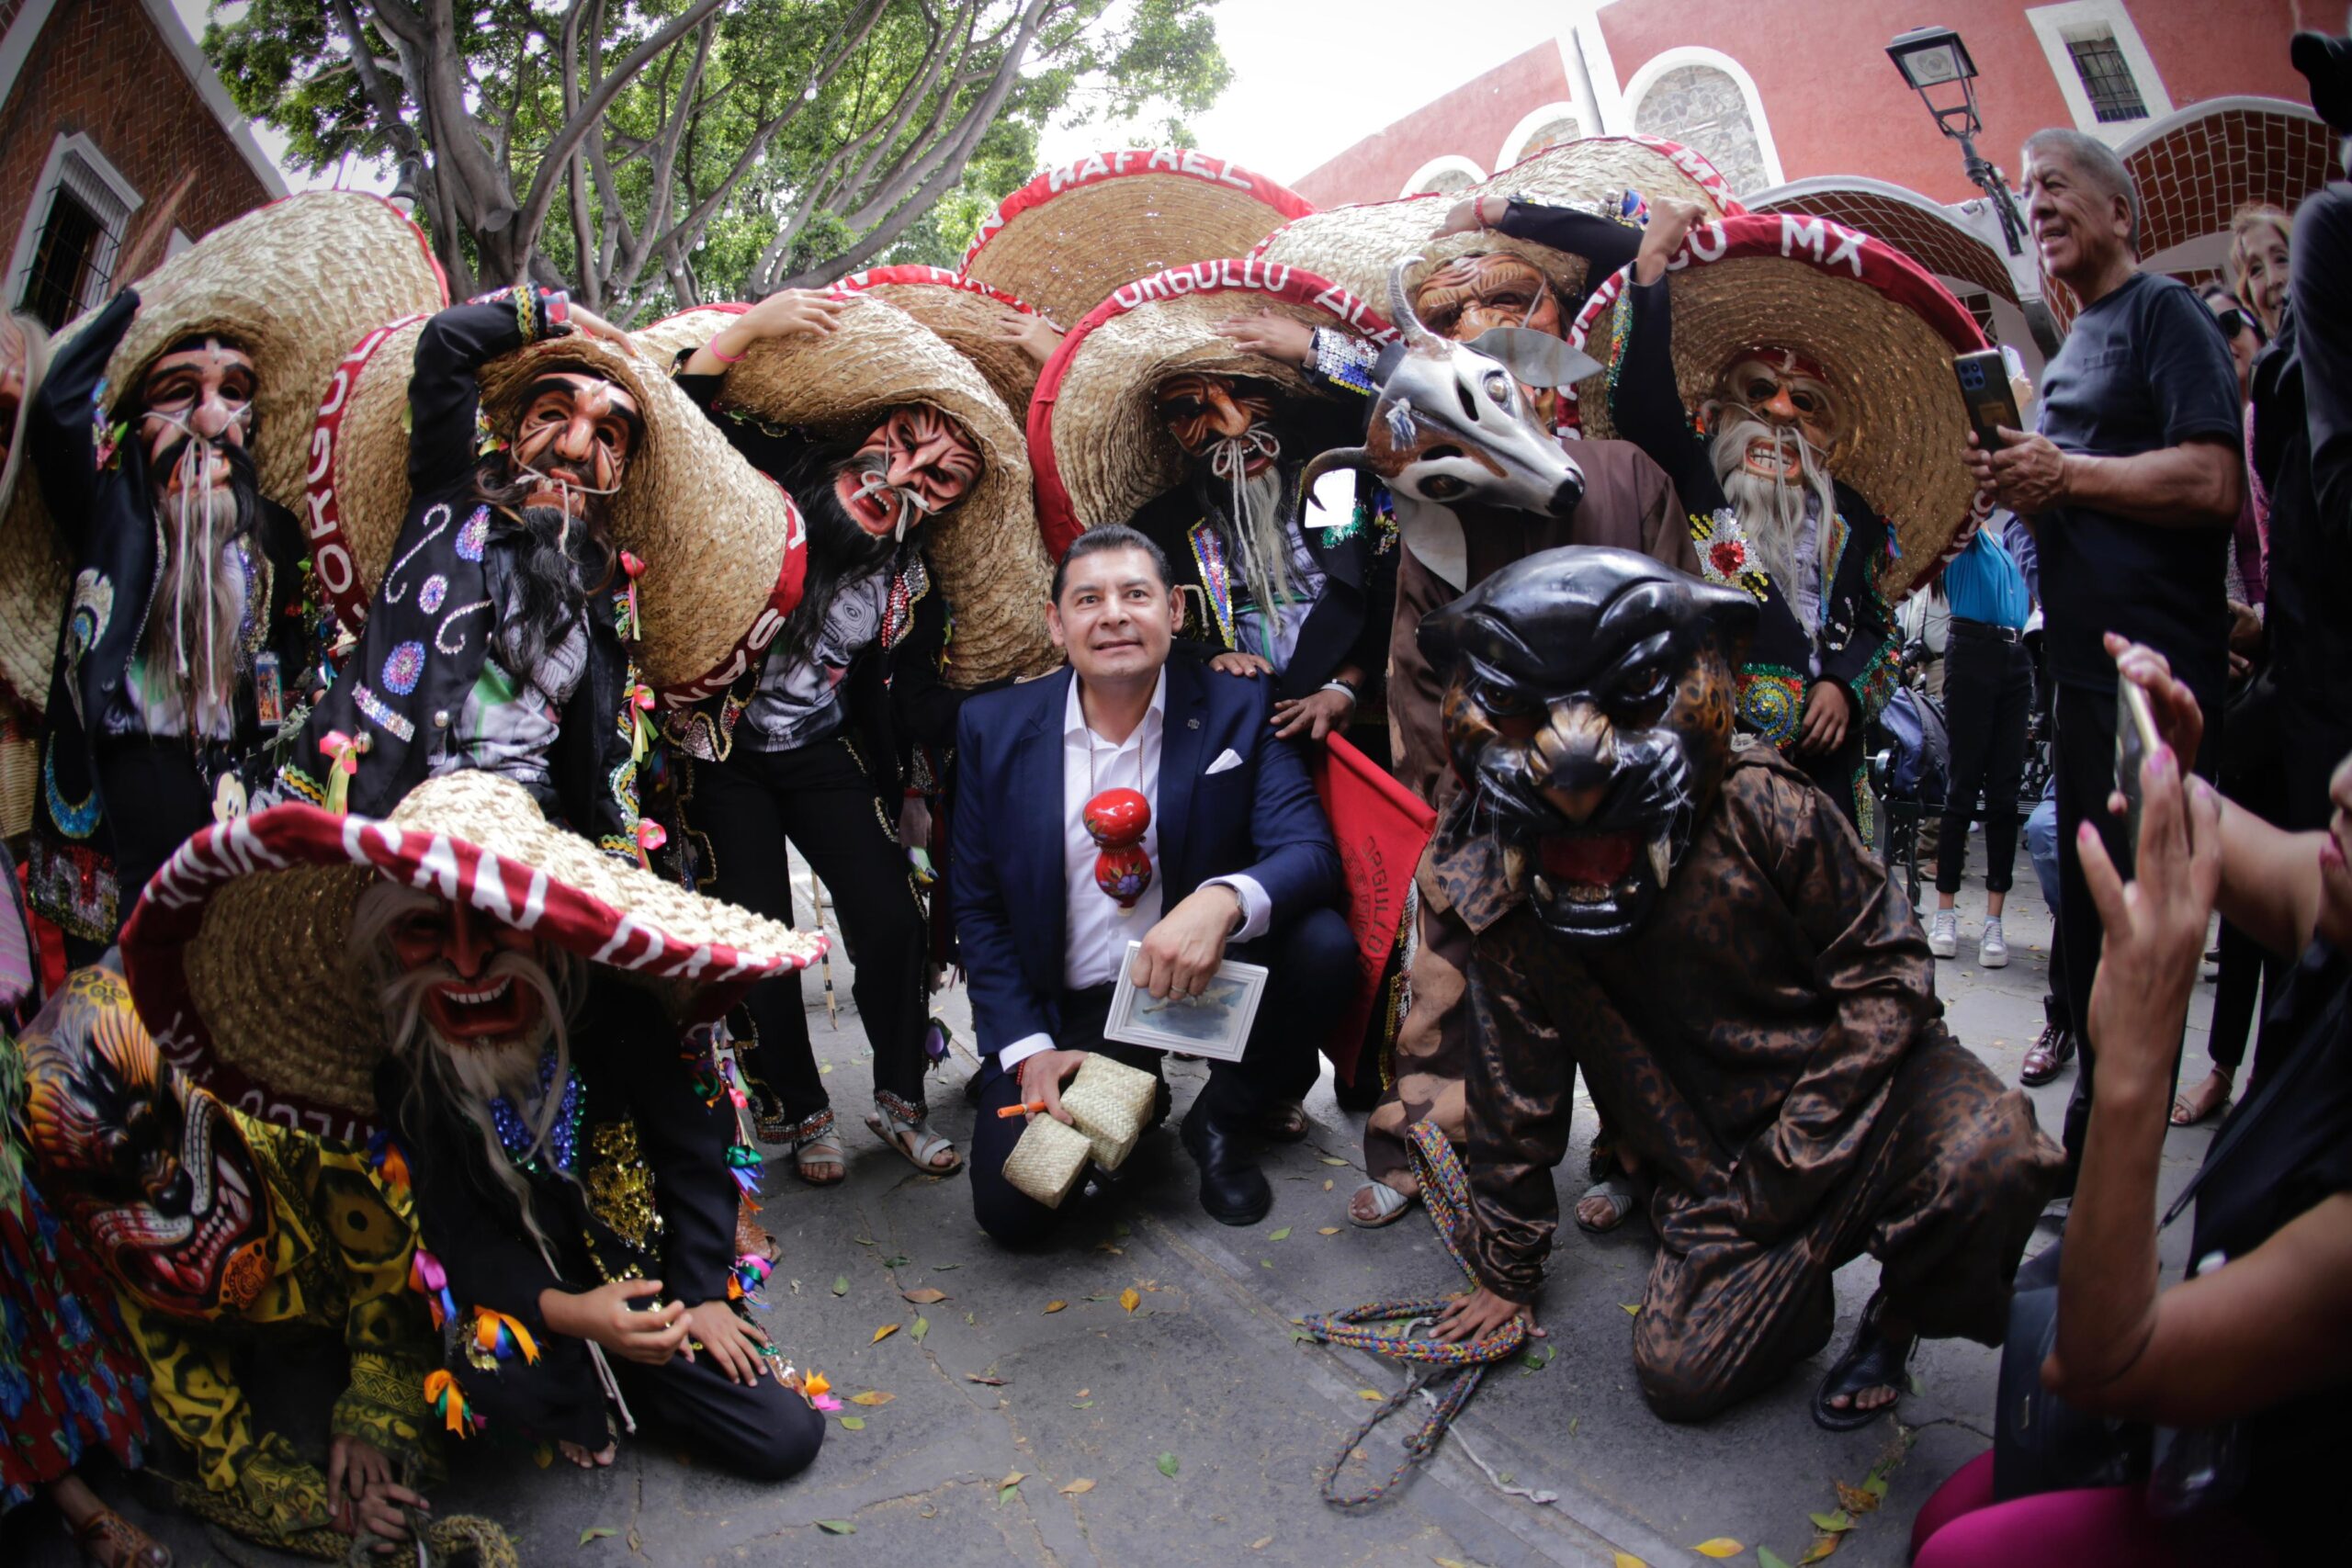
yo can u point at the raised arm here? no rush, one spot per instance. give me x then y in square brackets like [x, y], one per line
[443, 398]
[60, 428]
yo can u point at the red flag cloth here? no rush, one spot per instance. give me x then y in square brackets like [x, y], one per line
[1380, 828]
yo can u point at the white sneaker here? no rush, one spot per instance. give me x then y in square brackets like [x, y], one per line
[1993, 949]
[1943, 935]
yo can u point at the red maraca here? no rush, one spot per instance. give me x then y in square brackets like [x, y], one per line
[1116, 819]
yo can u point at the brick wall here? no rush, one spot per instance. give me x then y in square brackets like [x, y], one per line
[100, 69]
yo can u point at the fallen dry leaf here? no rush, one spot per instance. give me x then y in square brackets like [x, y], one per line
[1083, 1394]
[1855, 1499]
[1282, 1235]
[976, 1377]
[1371, 1394]
[854, 1423]
[1013, 1478]
[1631, 1309]
[1627, 1560]
[1821, 1547]
[837, 1527]
[924, 1297]
[872, 1396]
[1054, 1307]
[1263, 1542]
[1326, 1187]
[1334, 1159]
[1130, 1298]
[1329, 1230]
[1077, 1488]
[1722, 1546]
[883, 1333]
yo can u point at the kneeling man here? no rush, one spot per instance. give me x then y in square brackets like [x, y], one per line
[1241, 856]
[1752, 1002]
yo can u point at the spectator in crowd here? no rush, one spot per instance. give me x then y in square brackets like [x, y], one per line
[1988, 697]
[2250, 1348]
[2303, 449]
[2131, 480]
[2048, 1055]
[2258, 269]
[2248, 762]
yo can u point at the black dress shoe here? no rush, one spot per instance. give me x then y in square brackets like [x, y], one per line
[1233, 1189]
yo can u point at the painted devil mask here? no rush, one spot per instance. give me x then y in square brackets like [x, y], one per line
[152, 1171]
[1588, 713]
[916, 464]
[1225, 421]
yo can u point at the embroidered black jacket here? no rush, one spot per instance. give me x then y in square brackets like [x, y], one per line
[94, 476]
[435, 614]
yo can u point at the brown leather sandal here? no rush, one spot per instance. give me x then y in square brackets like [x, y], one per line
[108, 1540]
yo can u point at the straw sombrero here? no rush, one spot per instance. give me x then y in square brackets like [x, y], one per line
[991, 567]
[238, 954]
[1355, 246]
[1883, 330]
[721, 544]
[1071, 235]
[963, 311]
[294, 282]
[1097, 443]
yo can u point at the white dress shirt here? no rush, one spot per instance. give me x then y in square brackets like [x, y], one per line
[1096, 930]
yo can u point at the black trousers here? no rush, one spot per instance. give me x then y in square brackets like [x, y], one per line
[2252, 775]
[156, 797]
[2085, 752]
[761, 1429]
[1988, 697]
[1312, 964]
[819, 797]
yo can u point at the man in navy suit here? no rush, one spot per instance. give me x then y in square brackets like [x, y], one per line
[1241, 855]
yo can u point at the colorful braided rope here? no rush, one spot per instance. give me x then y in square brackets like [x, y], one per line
[1386, 1328]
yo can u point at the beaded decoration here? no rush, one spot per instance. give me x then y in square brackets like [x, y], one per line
[620, 1186]
[1216, 576]
[516, 1136]
[1772, 702]
[1446, 1190]
[1341, 359]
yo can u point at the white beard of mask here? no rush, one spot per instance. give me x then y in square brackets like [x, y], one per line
[1771, 511]
[1253, 511]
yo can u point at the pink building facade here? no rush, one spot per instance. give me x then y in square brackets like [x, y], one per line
[1796, 102]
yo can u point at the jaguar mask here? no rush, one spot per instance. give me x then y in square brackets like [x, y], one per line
[1588, 713]
[152, 1171]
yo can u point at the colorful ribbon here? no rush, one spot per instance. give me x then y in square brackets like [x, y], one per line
[749, 1278]
[427, 1278]
[743, 1164]
[498, 1335]
[641, 702]
[448, 1401]
[632, 569]
[342, 753]
[384, 1157]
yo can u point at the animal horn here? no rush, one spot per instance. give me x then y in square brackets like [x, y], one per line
[1325, 462]
[1400, 308]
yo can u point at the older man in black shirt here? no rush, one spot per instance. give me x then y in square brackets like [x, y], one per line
[2133, 483]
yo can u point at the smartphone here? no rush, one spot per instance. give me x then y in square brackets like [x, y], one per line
[1984, 389]
[2135, 741]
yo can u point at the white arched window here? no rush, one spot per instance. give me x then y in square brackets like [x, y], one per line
[1705, 100]
[1446, 173]
[1538, 130]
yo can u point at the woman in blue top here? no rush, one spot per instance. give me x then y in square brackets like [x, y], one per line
[1989, 695]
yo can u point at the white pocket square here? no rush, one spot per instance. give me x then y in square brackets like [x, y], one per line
[1226, 760]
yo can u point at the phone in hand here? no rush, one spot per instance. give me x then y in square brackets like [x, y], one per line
[1984, 389]
[2135, 741]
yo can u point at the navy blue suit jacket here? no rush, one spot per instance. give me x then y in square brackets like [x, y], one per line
[1261, 819]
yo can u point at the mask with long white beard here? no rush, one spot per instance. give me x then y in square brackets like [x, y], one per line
[1252, 506]
[1771, 506]
[196, 615]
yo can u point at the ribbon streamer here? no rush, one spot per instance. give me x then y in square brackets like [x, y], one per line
[342, 753]
[427, 1278]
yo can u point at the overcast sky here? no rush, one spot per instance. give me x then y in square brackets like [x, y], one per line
[1308, 80]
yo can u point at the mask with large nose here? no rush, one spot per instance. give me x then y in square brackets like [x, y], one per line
[1588, 713]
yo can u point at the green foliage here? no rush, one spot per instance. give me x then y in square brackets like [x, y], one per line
[777, 142]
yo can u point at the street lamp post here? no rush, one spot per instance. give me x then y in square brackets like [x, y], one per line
[1936, 66]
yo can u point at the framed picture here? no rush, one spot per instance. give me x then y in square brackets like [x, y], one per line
[1215, 1024]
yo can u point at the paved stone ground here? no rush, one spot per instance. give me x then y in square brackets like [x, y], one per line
[1205, 1370]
